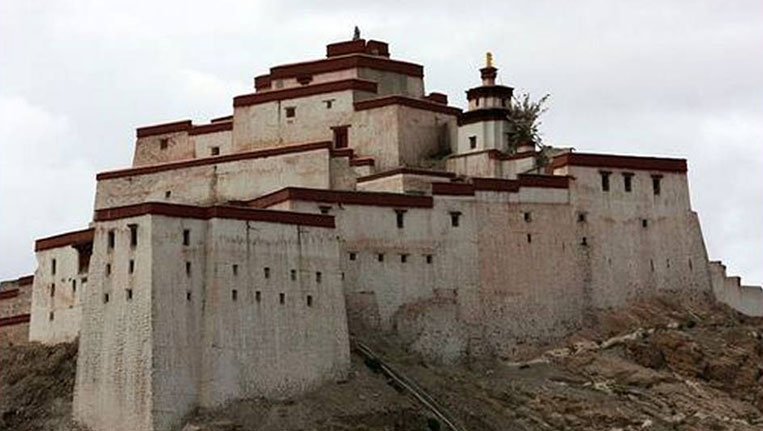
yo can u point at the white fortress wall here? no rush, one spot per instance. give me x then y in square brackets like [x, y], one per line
[163, 143]
[206, 143]
[208, 181]
[116, 360]
[729, 290]
[58, 285]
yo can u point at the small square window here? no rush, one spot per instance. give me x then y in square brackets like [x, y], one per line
[528, 216]
[186, 237]
[584, 241]
[214, 151]
[309, 300]
[167, 194]
[429, 258]
[380, 257]
[234, 295]
[455, 218]
[324, 209]
[403, 258]
[291, 112]
[163, 143]
[128, 294]
[318, 277]
[267, 272]
[281, 298]
[353, 256]
[582, 217]
[329, 103]
[472, 142]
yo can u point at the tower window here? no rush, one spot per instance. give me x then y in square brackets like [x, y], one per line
[74, 286]
[403, 258]
[455, 218]
[628, 181]
[582, 217]
[258, 296]
[234, 295]
[353, 256]
[656, 184]
[108, 269]
[604, 180]
[429, 259]
[309, 300]
[235, 269]
[186, 237]
[111, 240]
[380, 257]
[329, 103]
[51, 316]
[267, 272]
[128, 294]
[644, 222]
[584, 241]
[293, 274]
[163, 143]
[528, 216]
[188, 295]
[133, 234]
[472, 142]
[399, 217]
[53, 267]
[53, 290]
[529, 238]
[214, 151]
[341, 139]
[281, 298]
[324, 209]
[291, 112]
[188, 268]
[167, 194]
[318, 277]
[105, 298]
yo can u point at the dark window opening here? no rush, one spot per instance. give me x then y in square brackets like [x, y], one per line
[380, 257]
[353, 256]
[691, 267]
[667, 263]
[584, 242]
[51, 316]
[133, 234]
[186, 236]
[604, 180]
[214, 151]
[318, 277]
[628, 182]
[399, 217]
[53, 267]
[111, 239]
[429, 258]
[257, 296]
[105, 298]
[656, 184]
[235, 269]
[341, 138]
[455, 218]
[342, 275]
[108, 269]
[266, 270]
[581, 217]
[528, 216]
[324, 209]
[129, 294]
[529, 238]
[234, 294]
[53, 290]
[329, 103]
[651, 264]
[167, 194]
[309, 300]
[188, 295]
[291, 112]
[281, 298]
[477, 102]
[131, 268]
[163, 143]
[188, 268]
[74, 285]
[644, 222]
[472, 142]
[293, 274]
[403, 258]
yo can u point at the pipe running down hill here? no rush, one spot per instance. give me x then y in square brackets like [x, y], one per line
[409, 385]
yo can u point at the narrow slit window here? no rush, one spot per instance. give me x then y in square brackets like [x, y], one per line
[628, 182]
[266, 272]
[318, 277]
[604, 180]
[293, 274]
[235, 269]
[108, 269]
[281, 298]
[400, 218]
[53, 267]
[527, 216]
[380, 257]
[128, 294]
[429, 259]
[74, 286]
[582, 217]
[257, 296]
[584, 241]
[53, 290]
[651, 264]
[186, 237]
[455, 218]
[309, 300]
[403, 258]
[472, 142]
[105, 298]
[644, 222]
[188, 268]
[163, 143]
[529, 238]
[133, 234]
[656, 186]
[234, 295]
[111, 239]
[131, 266]
[188, 295]
[51, 316]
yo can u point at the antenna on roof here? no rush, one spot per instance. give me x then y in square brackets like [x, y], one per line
[356, 34]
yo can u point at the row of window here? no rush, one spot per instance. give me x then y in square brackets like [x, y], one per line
[111, 238]
[164, 144]
[404, 257]
[188, 296]
[628, 182]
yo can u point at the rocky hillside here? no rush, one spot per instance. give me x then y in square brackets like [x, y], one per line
[665, 364]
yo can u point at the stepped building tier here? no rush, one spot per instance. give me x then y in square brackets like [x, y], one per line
[234, 259]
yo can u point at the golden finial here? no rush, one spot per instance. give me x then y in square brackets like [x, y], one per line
[488, 59]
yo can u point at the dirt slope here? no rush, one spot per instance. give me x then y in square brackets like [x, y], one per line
[665, 364]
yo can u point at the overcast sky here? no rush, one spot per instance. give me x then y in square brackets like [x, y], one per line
[680, 78]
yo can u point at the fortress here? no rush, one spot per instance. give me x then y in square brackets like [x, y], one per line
[234, 259]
